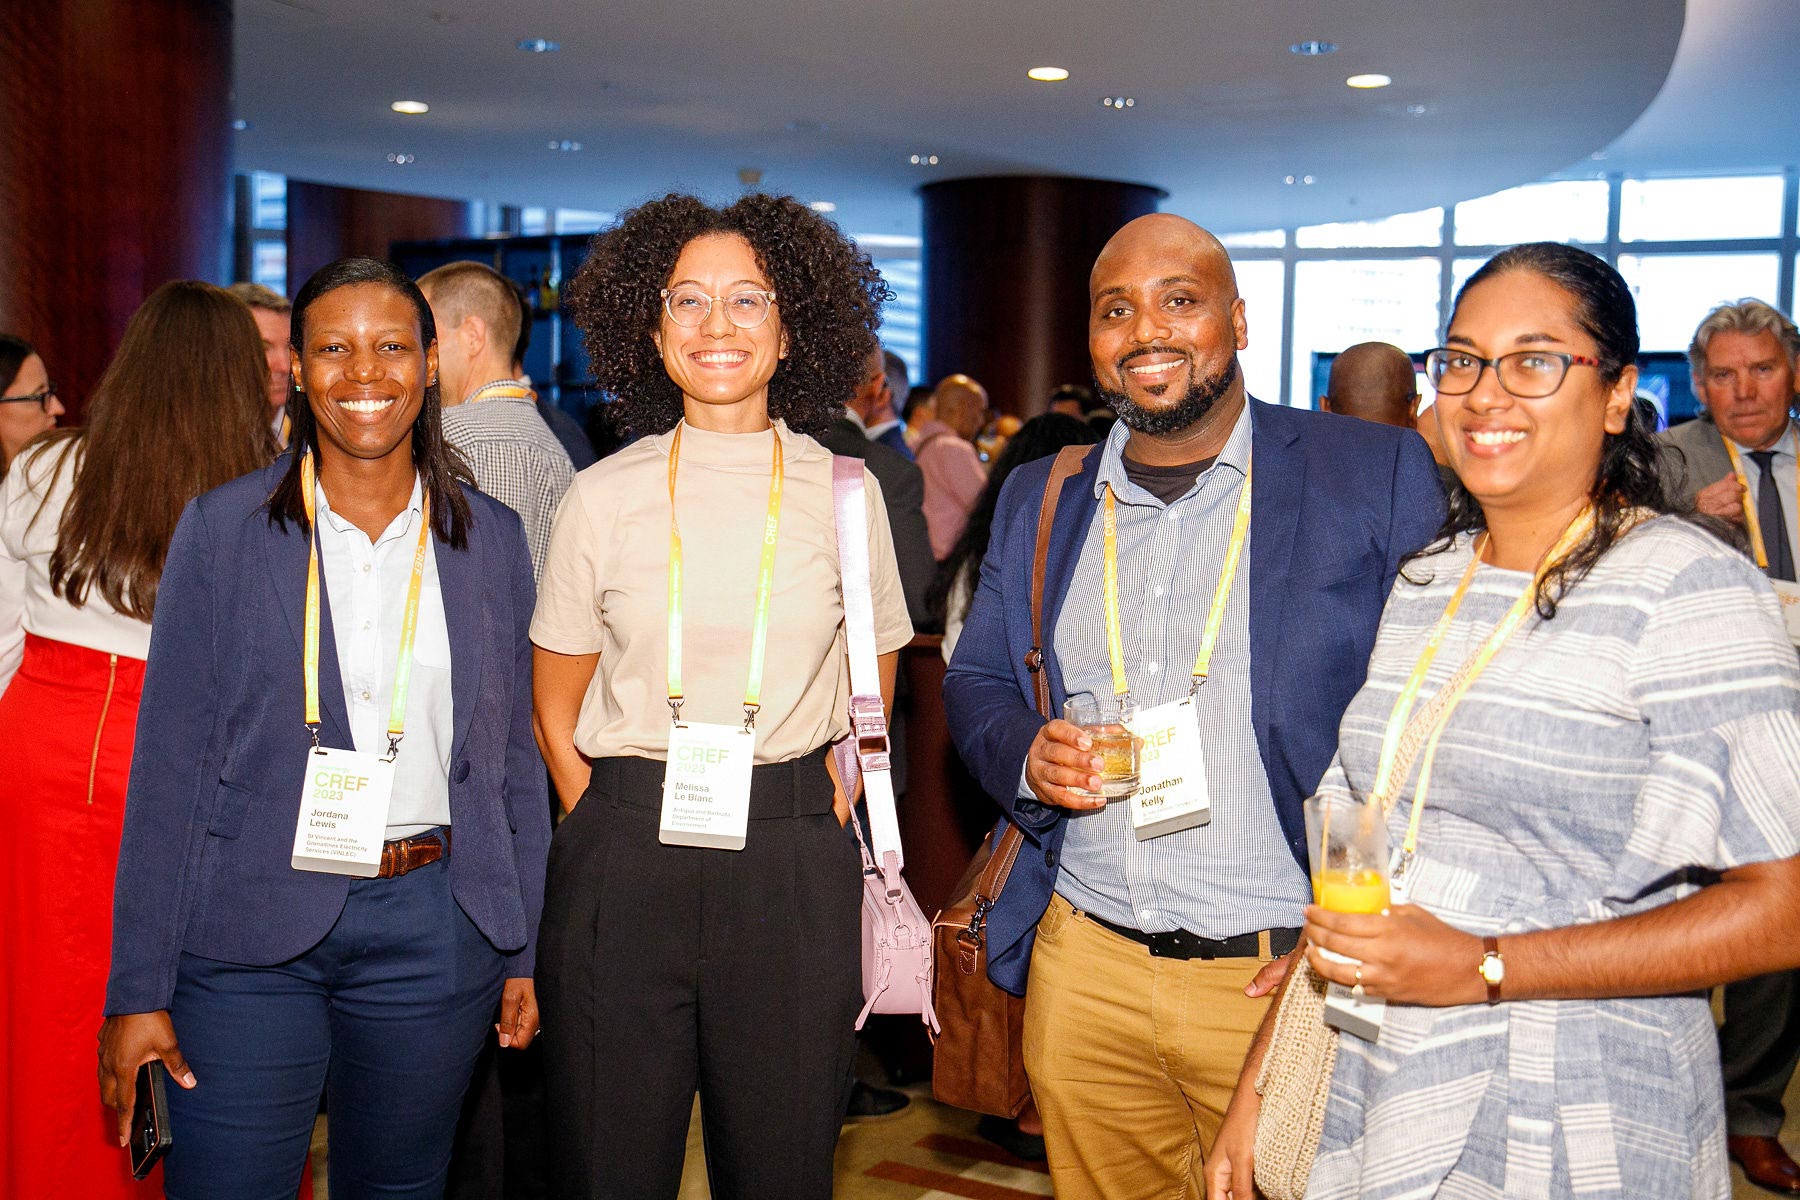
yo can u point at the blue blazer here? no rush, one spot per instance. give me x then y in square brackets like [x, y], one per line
[1337, 503]
[204, 865]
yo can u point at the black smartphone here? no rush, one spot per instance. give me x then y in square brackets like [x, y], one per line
[151, 1136]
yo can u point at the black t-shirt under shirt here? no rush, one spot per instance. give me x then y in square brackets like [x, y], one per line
[1167, 484]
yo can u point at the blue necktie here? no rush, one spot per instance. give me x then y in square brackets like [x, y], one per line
[1769, 515]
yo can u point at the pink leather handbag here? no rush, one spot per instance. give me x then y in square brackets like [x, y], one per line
[896, 935]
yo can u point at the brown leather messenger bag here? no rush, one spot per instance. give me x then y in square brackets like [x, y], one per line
[978, 1059]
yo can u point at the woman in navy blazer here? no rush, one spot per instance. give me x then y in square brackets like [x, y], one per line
[281, 982]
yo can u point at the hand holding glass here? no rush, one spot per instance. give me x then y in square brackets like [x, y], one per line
[1347, 837]
[1103, 718]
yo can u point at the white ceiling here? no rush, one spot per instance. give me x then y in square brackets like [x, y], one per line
[829, 99]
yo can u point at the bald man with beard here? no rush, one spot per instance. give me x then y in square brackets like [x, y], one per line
[1146, 947]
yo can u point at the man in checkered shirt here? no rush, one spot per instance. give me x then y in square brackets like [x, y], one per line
[489, 416]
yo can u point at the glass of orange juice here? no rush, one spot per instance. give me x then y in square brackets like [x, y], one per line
[1347, 836]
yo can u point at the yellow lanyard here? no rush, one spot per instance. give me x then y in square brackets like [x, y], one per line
[765, 582]
[409, 622]
[1115, 650]
[1751, 518]
[1386, 786]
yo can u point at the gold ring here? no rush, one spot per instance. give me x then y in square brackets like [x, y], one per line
[1357, 989]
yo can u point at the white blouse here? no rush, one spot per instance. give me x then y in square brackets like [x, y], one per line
[32, 499]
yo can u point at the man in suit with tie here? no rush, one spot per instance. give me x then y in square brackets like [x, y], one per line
[871, 406]
[1738, 462]
[1146, 952]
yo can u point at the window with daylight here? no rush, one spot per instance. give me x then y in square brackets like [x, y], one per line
[1265, 296]
[1424, 228]
[1668, 210]
[901, 328]
[1260, 239]
[1340, 302]
[1674, 292]
[1569, 210]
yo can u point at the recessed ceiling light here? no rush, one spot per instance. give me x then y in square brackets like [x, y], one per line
[1371, 80]
[822, 206]
[1416, 110]
[924, 160]
[1118, 102]
[1312, 49]
[240, 124]
[1048, 74]
[1291, 180]
[400, 160]
[538, 45]
[564, 145]
[411, 108]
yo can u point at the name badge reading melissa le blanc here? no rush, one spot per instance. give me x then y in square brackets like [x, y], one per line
[706, 786]
[343, 812]
[1171, 793]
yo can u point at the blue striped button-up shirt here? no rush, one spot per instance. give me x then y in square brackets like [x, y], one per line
[1234, 874]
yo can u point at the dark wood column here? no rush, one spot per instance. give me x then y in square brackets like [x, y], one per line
[1006, 264]
[326, 223]
[114, 150]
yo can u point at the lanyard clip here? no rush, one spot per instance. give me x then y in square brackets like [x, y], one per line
[1194, 687]
[312, 727]
[675, 710]
[393, 747]
[750, 711]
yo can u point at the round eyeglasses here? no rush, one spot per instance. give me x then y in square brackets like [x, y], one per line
[689, 307]
[41, 397]
[1527, 374]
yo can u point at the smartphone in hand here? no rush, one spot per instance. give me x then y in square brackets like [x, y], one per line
[151, 1136]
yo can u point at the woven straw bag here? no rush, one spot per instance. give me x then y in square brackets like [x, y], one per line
[1293, 1083]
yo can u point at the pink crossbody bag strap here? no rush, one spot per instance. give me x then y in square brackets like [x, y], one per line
[896, 933]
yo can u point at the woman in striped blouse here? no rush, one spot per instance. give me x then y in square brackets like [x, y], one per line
[1596, 706]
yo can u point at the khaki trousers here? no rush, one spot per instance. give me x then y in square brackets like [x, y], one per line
[1132, 1059]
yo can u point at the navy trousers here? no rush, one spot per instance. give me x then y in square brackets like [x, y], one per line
[385, 1016]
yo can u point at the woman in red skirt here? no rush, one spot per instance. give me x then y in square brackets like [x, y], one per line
[85, 520]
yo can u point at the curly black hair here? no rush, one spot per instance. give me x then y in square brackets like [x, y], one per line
[828, 297]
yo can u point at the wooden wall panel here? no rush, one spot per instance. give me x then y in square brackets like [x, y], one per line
[1006, 263]
[114, 152]
[326, 223]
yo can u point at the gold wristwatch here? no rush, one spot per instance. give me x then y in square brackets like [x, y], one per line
[1492, 968]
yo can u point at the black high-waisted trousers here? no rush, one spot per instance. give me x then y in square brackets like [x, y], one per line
[666, 970]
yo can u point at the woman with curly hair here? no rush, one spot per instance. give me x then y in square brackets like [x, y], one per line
[707, 941]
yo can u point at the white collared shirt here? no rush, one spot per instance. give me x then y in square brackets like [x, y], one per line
[366, 584]
[1785, 464]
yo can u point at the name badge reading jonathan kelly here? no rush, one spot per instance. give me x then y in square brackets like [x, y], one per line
[706, 786]
[1171, 794]
[343, 812]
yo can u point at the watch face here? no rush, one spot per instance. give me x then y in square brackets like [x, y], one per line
[1493, 969]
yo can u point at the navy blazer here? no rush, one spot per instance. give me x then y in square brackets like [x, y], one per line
[1337, 504]
[221, 751]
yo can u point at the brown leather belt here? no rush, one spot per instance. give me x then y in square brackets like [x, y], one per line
[397, 858]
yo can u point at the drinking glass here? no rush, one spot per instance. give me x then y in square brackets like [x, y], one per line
[1347, 838]
[1104, 719]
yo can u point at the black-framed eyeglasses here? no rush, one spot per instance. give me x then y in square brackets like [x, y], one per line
[689, 307]
[41, 397]
[1527, 374]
